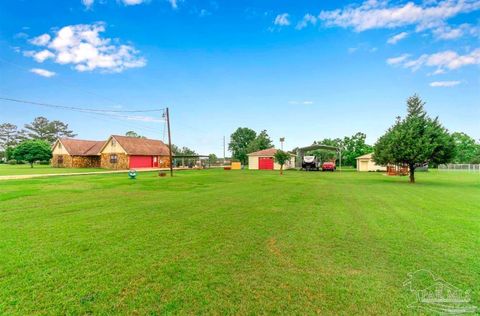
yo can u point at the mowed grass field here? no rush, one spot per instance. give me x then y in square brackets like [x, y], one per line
[234, 242]
[13, 170]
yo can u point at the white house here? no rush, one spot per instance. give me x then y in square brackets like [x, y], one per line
[366, 163]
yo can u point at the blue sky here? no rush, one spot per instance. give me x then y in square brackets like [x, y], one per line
[304, 70]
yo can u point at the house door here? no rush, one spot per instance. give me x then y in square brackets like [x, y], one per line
[155, 161]
[265, 163]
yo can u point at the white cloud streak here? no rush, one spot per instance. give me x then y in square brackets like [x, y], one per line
[282, 19]
[173, 3]
[83, 47]
[398, 60]
[306, 102]
[396, 38]
[442, 61]
[374, 14]
[43, 72]
[132, 2]
[444, 84]
[87, 3]
[307, 20]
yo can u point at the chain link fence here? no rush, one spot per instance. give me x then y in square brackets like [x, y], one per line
[460, 167]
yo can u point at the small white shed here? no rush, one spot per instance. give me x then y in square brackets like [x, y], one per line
[366, 163]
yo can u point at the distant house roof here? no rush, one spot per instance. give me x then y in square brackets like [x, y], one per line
[142, 146]
[366, 156]
[80, 147]
[266, 152]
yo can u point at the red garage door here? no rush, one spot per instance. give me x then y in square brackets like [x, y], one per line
[265, 163]
[141, 162]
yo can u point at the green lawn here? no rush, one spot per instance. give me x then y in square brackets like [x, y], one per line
[234, 242]
[13, 170]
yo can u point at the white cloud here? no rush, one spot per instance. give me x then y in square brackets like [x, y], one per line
[43, 72]
[397, 60]
[306, 102]
[41, 40]
[173, 3]
[374, 14]
[442, 61]
[307, 19]
[282, 20]
[396, 38]
[40, 56]
[132, 2]
[204, 12]
[83, 47]
[444, 83]
[447, 32]
[21, 35]
[87, 3]
[142, 118]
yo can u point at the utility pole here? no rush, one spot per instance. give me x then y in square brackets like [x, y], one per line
[169, 141]
[282, 139]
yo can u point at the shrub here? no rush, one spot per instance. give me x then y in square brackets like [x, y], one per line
[12, 162]
[44, 162]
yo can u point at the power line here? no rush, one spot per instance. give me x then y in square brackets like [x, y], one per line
[78, 108]
[70, 83]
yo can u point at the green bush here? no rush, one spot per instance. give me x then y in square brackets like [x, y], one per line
[44, 162]
[12, 162]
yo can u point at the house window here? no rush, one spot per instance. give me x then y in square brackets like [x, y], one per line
[113, 158]
[60, 160]
[114, 143]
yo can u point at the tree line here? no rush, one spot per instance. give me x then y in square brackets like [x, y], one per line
[413, 141]
[40, 132]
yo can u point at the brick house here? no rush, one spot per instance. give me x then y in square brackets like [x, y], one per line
[118, 152]
[76, 153]
[122, 152]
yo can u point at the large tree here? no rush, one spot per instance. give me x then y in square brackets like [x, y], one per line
[415, 140]
[32, 150]
[10, 136]
[43, 129]
[465, 148]
[261, 142]
[239, 142]
[353, 147]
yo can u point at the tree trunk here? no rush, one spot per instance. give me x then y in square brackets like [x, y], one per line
[31, 165]
[412, 173]
[281, 169]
